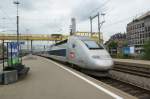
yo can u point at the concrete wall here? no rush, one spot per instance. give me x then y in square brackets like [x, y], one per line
[10, 76]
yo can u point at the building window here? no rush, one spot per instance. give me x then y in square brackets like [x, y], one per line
[149, 28]
[146, 29]
[143, 41]
[142, 24]
[140, 35]
[139, 26]
[140, 41]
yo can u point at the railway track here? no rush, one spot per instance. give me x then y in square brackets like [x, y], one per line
[128, 88]
[131, 89]
[143, 71]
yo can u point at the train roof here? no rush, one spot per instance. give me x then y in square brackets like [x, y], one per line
[78, 37]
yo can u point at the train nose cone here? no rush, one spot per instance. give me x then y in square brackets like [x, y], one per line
[103, 64]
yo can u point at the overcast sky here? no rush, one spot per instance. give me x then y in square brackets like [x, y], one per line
[53, 16]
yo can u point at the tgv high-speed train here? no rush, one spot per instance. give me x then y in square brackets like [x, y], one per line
[83, 53]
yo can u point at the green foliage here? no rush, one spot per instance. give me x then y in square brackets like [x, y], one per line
[122, 56]
[146, 54]
[113, 45]
[1, 50]
[125, 44]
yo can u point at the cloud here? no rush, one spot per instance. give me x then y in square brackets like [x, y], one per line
[27, 4]
[84, 9]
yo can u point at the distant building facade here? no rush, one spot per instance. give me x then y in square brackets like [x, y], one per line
[138, 32]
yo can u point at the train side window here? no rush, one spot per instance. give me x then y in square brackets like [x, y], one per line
[73, 45]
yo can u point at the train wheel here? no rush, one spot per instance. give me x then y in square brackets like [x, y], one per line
[72, 66]
[78, 68]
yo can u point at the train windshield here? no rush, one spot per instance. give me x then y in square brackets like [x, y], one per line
[93, 45]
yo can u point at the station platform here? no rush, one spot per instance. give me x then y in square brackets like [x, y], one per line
[132, 61]
[50, 80]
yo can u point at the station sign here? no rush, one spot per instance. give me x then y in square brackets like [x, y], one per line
[129, 50]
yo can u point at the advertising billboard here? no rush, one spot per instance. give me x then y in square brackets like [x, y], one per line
[13, 53]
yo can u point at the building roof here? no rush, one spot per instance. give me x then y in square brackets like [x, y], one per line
[147, 14]
[144, 15]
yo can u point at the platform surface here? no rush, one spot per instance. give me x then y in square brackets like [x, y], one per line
[145, 62]
[46, 80]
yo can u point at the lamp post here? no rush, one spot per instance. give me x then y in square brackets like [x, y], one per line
[17, 5]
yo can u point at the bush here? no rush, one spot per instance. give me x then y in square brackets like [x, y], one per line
[146, 54]
[122, 56]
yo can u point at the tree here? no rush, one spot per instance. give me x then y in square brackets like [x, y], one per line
[112, 46]
[125, 44]
[147, 50]
[1, 50]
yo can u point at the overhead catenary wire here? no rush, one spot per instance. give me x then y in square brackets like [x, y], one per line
[100, 7]
[7, 16]
[9, 23]
[122, 20]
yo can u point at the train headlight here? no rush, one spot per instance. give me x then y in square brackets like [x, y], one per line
[96, 57]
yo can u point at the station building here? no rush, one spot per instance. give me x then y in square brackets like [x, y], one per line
[138, 32]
